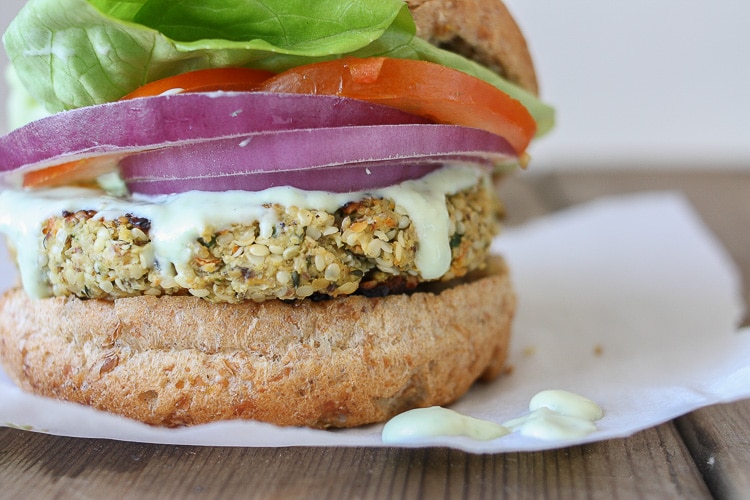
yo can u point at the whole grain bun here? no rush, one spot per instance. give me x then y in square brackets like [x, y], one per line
[339, 363]
[482, 30]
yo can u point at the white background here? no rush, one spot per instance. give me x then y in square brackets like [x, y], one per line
[636, 84]
[642, 83]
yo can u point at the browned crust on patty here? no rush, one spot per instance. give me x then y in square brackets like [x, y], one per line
[482, 30]
[339, 363]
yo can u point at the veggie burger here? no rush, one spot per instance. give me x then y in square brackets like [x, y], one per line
[278, 211]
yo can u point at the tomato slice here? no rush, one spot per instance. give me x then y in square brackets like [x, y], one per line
[439, 93]
[205, 80]
[75, 172]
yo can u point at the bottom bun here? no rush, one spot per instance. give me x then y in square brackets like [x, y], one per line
[344, 362]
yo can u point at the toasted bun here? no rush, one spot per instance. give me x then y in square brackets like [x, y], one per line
[338, 363]
[482, 30]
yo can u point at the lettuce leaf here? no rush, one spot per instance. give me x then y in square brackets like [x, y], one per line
[315, 28]
[70, 54]
[20, 107]
[417, 48]
[75, 53]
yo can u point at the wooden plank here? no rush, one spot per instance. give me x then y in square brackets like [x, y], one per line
[522, 199]
[717, 437]
[652, 463]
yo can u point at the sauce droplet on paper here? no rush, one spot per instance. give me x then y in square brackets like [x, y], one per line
[553, 415]
[437, 421]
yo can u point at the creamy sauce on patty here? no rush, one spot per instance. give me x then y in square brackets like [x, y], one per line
[178, 220]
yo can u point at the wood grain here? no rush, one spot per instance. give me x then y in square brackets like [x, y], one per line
[719, 441]
[651, 463]
[718, 437]
[703, 454]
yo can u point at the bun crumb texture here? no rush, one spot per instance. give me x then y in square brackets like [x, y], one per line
[180, 360]
[482, 30]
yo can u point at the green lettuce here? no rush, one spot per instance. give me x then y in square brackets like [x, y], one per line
[75, 53]
[20, 107]
[300, 27]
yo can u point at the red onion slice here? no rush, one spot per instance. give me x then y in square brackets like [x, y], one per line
[339, 159]
[153, 122]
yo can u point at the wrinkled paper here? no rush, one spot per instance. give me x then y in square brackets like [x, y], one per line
[629, 301]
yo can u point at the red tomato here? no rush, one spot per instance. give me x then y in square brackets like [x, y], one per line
[205, 80]
[75, 172]
[439, 93]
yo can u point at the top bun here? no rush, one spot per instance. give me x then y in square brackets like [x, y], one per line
[481, 30]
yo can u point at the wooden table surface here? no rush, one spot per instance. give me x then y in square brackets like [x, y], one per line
[700, 455]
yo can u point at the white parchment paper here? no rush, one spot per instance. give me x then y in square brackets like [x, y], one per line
[628, 301]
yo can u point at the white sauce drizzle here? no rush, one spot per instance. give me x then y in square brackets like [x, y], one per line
[178, 220]
[553, 415]
[437, 421]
